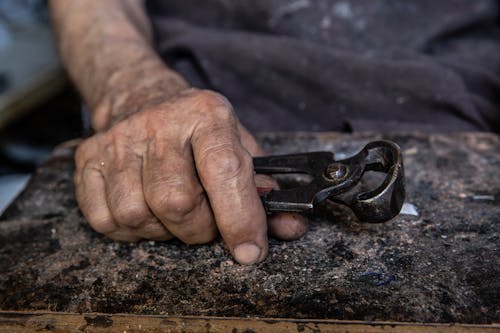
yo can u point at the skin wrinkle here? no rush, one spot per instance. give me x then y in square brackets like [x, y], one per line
[137, 97]
[123, 108]
[126, 201]
[124, 235]
[164, 234]
[181, 221]
[174, 194]
[230, 169]
[95, 93]
[222, 116]
[175, 159]
[160, 141]
[100, 116]
[101, 222]
[206, 130]
[106, 43]
[179, 182]
[173, 204]
[154, 230]
[125, 196]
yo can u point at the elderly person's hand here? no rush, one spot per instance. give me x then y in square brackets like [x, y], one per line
[166, 160]
[180, 168]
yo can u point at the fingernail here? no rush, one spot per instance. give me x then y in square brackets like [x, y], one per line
[247, 253]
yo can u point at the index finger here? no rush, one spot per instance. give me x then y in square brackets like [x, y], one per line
[226, 172]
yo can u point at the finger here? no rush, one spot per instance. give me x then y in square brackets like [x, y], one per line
[226, 171]
[124, 235]
[91, 197]
[125, 198]
[175, 195]
[285, 226]
[154, 231]
[265, 183]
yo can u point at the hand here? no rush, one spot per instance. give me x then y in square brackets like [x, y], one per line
[180, 168]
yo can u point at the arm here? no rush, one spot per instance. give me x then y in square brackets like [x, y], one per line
[167, 160]
[105, 46]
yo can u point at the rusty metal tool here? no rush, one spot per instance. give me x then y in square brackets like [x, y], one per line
[338, 180]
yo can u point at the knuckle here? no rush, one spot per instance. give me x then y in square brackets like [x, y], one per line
[127, 204]
[131, 214]
[214, 108]
[225, 164]
[212, 98]
[173, 204]
[87, 151]
[102, 224]
[181, 203]
[221, 117]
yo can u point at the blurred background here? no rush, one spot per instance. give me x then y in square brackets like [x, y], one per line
[38, 107]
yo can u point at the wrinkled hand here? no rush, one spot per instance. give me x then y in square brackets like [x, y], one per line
[181, 168]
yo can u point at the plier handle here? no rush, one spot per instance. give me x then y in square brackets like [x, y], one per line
[337, 180]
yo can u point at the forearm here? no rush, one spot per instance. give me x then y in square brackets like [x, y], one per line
[106, 47]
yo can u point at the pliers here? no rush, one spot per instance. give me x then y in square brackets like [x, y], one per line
[338, 180]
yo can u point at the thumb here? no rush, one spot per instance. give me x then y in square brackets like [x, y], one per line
[285, 226]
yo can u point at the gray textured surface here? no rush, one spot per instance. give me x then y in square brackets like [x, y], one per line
[440, 266]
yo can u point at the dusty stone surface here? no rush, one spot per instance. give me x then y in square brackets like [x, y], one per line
[439, 266]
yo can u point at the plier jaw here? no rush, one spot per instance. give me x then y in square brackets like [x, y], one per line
[337, 180]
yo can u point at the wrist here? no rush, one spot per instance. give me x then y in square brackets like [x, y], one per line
[131, 91]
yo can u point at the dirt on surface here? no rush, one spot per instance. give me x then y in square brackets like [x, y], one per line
[439, 266]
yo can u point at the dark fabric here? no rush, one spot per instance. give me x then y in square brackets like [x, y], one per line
[430, 65]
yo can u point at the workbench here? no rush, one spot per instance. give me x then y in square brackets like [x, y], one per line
[434, 265]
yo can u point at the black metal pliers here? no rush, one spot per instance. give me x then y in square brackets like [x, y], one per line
[337, 180]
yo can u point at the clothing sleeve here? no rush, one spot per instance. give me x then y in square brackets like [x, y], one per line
[444, 77]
